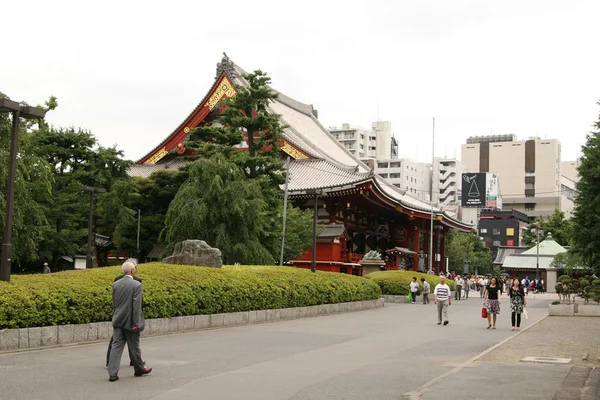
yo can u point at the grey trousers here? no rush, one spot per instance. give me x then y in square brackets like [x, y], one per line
[120, 337]
[442, 309]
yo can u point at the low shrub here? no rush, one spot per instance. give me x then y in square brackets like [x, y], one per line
[398, 282]
[76, 297]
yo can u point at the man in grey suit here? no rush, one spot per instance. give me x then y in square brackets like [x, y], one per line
[128, 322]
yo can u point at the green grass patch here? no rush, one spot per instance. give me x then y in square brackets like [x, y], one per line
[77, 297]
[398, 282]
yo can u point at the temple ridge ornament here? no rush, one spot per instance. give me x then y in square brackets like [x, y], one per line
[293, 152]
[473, 188]
[227, 66]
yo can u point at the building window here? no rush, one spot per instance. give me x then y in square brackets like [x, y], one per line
[383, 175]
[496, 231]
[348, 135]
[395, 165]
[496, 243]
[510, 231]
[483, 230]
[510, 242]
[529, 206]
[362, 136]
[395, 176]
[382, 165]
[362, 146]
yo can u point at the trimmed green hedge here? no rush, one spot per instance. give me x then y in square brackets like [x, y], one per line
[398, 282]
[77, 297]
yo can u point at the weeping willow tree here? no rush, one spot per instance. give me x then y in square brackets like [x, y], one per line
[218, 205]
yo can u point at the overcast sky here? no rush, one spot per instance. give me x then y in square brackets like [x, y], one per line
[131, 71]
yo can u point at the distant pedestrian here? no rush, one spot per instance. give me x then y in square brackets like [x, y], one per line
[467, 287]
[492, 299]
[426, 290]
[414, 289]
[459, 287]
[46, 268]
[517, 304]
[442, 298]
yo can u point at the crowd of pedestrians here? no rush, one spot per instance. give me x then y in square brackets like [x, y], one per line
[491, 290]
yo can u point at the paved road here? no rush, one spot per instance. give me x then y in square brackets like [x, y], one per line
[377, 354]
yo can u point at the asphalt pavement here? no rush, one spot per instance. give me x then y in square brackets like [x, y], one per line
[395, 352]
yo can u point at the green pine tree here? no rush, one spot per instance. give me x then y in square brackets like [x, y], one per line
[586, 220]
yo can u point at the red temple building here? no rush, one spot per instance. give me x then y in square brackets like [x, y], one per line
[358, 210]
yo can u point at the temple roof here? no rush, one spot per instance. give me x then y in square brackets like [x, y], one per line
[548, 246]
[330, 164]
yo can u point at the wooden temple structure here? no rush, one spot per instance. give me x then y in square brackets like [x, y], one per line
[359, 211]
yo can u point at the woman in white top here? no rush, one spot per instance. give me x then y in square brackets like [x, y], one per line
[414, 289]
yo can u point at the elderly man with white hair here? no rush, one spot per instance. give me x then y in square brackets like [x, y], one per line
[442, 298]
[128, 322]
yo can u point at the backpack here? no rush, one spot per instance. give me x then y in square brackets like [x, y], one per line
[527, 283]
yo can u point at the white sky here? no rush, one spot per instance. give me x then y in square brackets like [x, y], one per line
[131, 71]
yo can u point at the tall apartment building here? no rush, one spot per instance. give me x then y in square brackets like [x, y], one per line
[405, 174]
[529, 171]
[447, 175]
[377, 143]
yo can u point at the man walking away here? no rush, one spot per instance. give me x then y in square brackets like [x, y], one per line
[426, 289]
[467, 287]
[459, 286]
[46, 268]
[128, 322]
[442, 298]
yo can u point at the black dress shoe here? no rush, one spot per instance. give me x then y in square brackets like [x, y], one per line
[145, 371]
[113, 378]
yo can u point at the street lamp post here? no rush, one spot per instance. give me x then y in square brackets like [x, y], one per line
[537, 259]
[17, 112]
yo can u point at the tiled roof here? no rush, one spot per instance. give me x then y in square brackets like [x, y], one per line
[547, 247]
[504, 252]
[307, 174]
[527, 261]
[145, 170]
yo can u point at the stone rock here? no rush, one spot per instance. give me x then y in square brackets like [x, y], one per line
[195, 252]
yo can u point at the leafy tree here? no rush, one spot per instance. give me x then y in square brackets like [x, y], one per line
[586, 237]
[461, 247]
[557, 224]
[152, 197]
[218, 205]
[76, 160]
[245, 116]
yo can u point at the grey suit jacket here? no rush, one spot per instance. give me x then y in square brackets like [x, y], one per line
[127, 302]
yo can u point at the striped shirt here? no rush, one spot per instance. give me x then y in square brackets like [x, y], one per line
[442, 291]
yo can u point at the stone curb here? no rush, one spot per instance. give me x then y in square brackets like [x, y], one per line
[49, 336]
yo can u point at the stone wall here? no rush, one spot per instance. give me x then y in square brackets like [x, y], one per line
[30, 338]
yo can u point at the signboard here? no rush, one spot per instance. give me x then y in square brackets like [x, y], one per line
[480, 190]
[473, 189]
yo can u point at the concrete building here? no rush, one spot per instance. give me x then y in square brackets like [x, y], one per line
[529, 171]
[405, 174]
[568, 186]
[446, 178]
[502, 228]
[377, 143]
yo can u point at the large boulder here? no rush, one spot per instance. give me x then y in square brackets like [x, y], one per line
[195, 252]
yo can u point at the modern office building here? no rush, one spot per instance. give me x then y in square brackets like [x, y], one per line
[502, 228]
[446, 178]
[377, 143]
[413, 177]
[529, 171]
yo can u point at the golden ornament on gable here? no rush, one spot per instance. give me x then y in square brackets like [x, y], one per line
[225, 89]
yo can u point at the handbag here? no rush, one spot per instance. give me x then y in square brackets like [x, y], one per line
[409, 298]
[483, 312]
[525, 313]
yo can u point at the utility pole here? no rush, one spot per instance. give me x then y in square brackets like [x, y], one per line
[89, 258]
[430, 256]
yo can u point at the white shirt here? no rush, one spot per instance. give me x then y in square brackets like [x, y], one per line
[442, 292]
[414, 286]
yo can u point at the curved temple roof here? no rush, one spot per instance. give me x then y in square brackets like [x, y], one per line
[330, 164]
